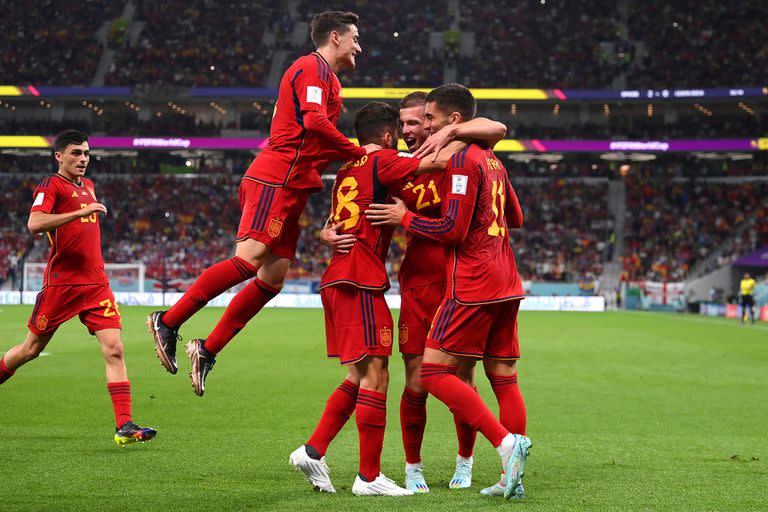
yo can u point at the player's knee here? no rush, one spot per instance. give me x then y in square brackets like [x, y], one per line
[114, 350]
[31, 351]
[413, 381]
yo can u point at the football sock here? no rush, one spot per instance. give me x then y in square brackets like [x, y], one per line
[214, 281]
[441, 381]
[466, 436]
[511, 404]
[244, 306]
[339, 407]
[120, 392]
[413, 420]
[5, 373]
[371, 417]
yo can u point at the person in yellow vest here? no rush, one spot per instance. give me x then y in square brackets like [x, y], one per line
[747, 292]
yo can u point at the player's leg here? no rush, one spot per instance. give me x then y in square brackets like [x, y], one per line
[503, 351]
[22, 353]
[466, 434]
[309, 458]
[119, 387]
[256, 200]
[371, 419]
[244, 306]
[413, 421]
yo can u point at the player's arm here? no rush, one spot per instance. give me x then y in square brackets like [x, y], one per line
[449, 229]
[485, 132]
[312, 87]
[440, 159]
[41, 222]
[513, 213]
[340, 243]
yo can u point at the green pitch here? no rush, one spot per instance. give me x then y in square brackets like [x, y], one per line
[627, 411]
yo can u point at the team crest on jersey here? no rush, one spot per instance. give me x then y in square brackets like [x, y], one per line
[275, 227]
[403, 334]
[42, 322]
[385, 336]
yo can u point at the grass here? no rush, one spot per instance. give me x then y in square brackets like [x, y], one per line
[627, 411]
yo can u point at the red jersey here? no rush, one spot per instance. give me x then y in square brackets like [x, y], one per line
[425, 259]
[478, 209]
[75, 256]
[303, 138]
[358, 184]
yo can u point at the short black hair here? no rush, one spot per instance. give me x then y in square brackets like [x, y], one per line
[454, 98]
[373, 119]
[413, 99]
[68, 138]
[323, 24]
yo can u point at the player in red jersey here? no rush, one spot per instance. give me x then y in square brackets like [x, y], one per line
[75, 283]
[422, 286]
[478, 316]
[273, 193]
[359, 327]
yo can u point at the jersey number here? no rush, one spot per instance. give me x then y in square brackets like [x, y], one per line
[345, 196]
[419, 189]
[87, 218]
[497, 191]
[107, 303]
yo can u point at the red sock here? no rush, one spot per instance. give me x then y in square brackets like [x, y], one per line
[413, 420]
[243, 307]
[339, 407]
[511, 404]
[120, 392]
[441, 381]
[371, 417]
[5, 373]
[213, 282]
[466, 435]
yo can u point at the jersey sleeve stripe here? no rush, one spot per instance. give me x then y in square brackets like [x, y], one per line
[296, 102]
[441, 226]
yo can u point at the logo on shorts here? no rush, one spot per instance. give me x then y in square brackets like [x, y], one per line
[275, 227]
[42, 322]
[385, 336]
[403, 334]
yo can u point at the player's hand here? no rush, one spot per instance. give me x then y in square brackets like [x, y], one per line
[386, 214]
[341, 244]
[436, 142]
[370, 148]
[92, 208]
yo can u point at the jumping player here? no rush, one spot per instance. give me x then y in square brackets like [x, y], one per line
[75, 283]
[273, 193]
[359, 327]
[478, 316]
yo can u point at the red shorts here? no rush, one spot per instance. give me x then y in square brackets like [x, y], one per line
[488, 330]
[357, 323]
[94, 303]
[417, 311]
[271, 216]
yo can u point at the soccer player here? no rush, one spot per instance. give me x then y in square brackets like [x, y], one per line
[422, 286]
[303, 140]
[747, 292]
[358, 323]
[477, 318]
[75, 283]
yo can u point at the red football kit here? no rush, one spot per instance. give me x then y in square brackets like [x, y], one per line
[478, 315]
[422, 271]
[357, 320]
[303, 140]
[75, 282]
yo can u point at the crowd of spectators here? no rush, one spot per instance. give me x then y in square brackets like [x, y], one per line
[674, 223]
[51, 42]
[698, 44]
[197, 43]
